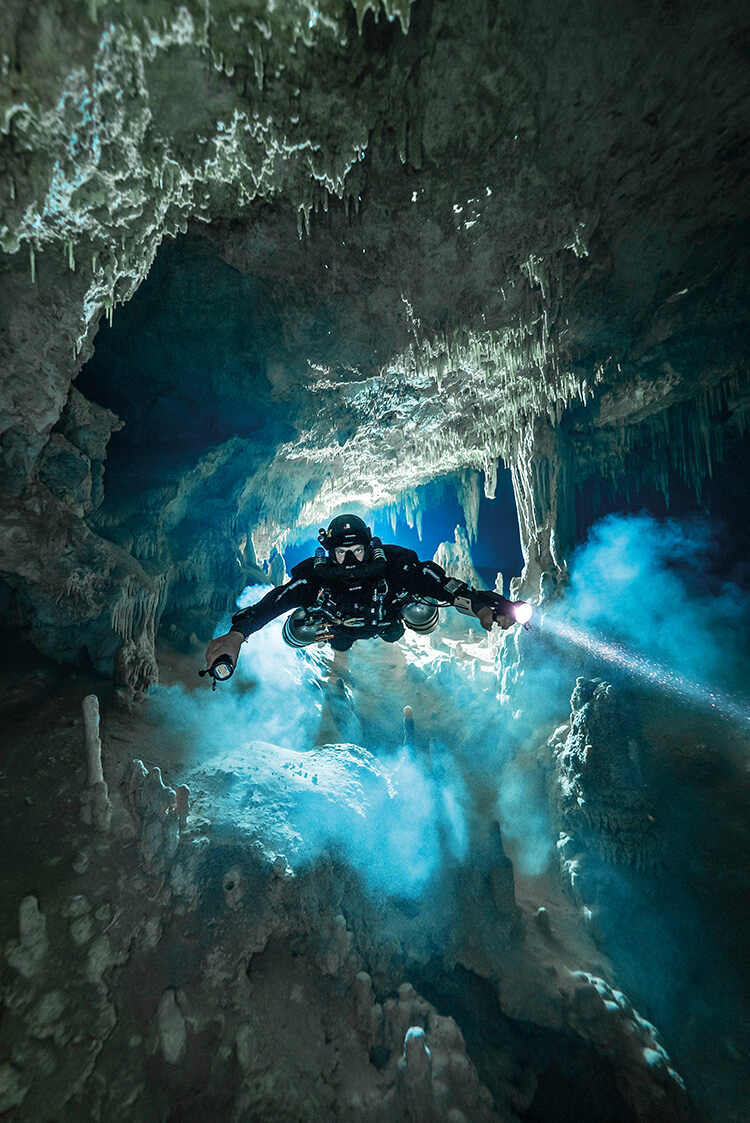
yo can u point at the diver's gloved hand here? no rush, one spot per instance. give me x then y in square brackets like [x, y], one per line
[492, 608]
[486, 617]
[224, 645]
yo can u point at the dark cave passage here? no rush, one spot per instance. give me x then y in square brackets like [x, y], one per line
[718, 498]
[185, 365]
[556, 1077]
[496, 548]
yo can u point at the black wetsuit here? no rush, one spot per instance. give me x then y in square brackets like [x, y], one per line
[367, 599]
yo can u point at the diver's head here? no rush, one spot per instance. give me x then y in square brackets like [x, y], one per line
[347, 540]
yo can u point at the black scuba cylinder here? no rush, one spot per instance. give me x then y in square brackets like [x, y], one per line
[378, 553]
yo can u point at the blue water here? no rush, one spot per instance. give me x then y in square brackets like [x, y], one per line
[497, 548]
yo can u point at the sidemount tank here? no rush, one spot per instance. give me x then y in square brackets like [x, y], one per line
[420, 617]
[301, 628]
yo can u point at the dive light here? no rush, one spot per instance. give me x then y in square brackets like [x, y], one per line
[472, 602]
[220, 670]
[522, 611]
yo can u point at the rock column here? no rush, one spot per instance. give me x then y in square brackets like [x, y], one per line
[96, 809]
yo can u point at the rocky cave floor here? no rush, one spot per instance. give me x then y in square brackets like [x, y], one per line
[185, 973]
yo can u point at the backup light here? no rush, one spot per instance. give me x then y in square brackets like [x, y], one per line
[220, 670]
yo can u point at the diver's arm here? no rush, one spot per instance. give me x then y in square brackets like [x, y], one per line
[293, 594]
[431, 580]
[427, 579]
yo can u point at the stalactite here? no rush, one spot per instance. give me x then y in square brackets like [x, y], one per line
[490, 477]
[682, 443]
[468, 494]
[134, 612]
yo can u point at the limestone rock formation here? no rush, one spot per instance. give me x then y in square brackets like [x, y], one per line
[289, 994]
[455, 558]
[602, 805]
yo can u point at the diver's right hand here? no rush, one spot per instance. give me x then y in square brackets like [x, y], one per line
[229, 644]
[487, 618]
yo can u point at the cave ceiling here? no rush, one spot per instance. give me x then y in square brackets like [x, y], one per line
[466, 232]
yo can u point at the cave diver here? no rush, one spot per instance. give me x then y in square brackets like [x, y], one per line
[356, 588]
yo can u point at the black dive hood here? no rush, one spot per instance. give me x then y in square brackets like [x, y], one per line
[346, 532]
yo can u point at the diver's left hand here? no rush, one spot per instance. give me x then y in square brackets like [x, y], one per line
[229, 644]
[487, 618]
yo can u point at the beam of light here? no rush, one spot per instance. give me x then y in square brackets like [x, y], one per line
[654, 674]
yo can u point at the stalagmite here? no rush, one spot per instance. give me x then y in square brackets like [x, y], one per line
[26, 954]
[171, 1027]
[416, 1068]
[152, 804]
[96, 809]
[408, 728]
[90, 707]
[543, 921]
[182, 800]
[363, 1000]
[455, 557]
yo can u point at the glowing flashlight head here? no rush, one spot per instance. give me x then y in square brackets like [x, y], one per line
[222, 670]
[522, 612]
